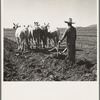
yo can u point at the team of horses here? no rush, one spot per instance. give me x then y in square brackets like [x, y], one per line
[40, 36]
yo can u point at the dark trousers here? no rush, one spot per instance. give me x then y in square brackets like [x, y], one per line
[71, 53]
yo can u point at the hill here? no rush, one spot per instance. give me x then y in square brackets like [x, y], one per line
[90, 30]
[94, 25]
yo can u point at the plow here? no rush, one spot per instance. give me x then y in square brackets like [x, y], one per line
[58, 53]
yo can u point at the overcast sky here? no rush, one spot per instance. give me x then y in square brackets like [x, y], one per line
[55, 12]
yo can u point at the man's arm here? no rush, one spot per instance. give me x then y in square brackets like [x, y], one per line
[63, 36]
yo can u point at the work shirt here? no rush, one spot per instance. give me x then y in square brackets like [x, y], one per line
[70, 33]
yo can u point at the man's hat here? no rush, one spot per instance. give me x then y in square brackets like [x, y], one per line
[70, 21]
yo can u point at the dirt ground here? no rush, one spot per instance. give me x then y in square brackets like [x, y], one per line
[41, 65]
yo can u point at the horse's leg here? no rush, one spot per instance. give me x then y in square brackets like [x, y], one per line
[45, 41]
[54, 41]
[58, 44]
[18, 42]
[24, 46]
[22, 49]
[40, 40]
[27, 43]
[19, 45]
[49, 43]
[35, 41]
[32, 42]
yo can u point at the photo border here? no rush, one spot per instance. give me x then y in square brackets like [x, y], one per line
[1, 48]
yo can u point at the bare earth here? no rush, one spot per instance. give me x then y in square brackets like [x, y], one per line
[41, 65]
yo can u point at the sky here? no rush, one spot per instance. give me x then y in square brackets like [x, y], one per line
[55, 12]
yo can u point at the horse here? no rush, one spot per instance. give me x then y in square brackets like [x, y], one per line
[36, 34]
[31, 34]
[21, 35]
[43, 35]
[53, 36]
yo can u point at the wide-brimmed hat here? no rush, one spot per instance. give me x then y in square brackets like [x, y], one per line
[70, 21]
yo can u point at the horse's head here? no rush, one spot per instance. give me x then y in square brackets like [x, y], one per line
[46, 26]
[16, 25]
[36, 25]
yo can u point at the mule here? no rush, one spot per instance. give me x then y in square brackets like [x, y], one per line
[21, 35]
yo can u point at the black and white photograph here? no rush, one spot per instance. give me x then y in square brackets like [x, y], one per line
[50, 50]
[50, 40]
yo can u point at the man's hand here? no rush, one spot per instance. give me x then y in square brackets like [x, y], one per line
[59, 41]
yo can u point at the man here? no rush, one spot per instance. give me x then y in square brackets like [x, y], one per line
[70, 33]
